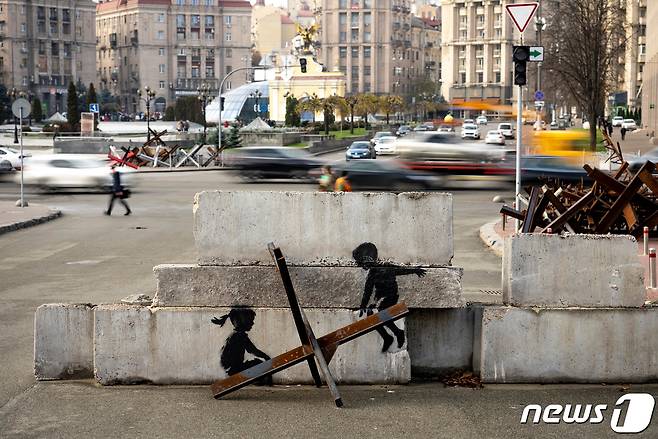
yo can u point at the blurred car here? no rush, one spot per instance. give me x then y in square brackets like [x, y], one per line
[403, 130]
[470, 131]
[635, 163]
[360, 150]
[538, 168]
[386, 175]
[629, 124]
[421, 128]
[378, 135]
[468, 122]
[72, 171]
[445, 129]
[13, 156]
[617, 120]
[506, 129]
[482, 120]
[585, 125]
[256, 162]
[437, 146]
[539, 125]
[495, 137]
[386, 145]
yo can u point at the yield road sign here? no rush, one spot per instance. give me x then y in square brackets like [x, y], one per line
[539, 95]
[93, 108]
[521, 14]
[19, 104]
[536, 54]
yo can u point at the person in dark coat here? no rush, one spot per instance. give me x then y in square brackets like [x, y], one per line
[117, 192]
[623, 133]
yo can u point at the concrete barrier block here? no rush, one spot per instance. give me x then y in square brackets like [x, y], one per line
[136, 344]
[316, 287]
[569, 345]
[319, 228]
[63, 341]
[441, 340]
[572, 270]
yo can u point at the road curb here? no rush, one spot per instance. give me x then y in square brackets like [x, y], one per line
[491, 238]
[6, 228]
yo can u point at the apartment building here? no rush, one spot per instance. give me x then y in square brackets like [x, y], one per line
[426, 52]
[477, 40]
[650, 72]
[44, 45]
[370, 41]
[172, 46]
[635, 53]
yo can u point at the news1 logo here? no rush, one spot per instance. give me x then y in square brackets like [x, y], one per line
[638, 409]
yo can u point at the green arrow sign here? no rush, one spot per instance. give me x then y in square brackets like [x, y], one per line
[535, 53]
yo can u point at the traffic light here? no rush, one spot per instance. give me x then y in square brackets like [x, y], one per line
[302, 64]
[520, 56]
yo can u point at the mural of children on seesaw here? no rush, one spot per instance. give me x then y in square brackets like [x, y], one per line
[382, 279]
[238, 343]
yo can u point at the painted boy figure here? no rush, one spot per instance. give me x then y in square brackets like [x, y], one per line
[382, 280]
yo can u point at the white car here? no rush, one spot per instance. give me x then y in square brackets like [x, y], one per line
[470, 131]
[13, 156]
[378, 135]
[482, 120]
[72, 171]
[495, 137]
[386, 145]
[506, 129]
[468, 122]
[617, 120]
[629, 124]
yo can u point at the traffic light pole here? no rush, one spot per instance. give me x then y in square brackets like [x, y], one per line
[519, 127]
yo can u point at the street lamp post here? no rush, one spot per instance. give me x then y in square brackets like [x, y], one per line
[204, 97]
[256, 94]
[149, 95]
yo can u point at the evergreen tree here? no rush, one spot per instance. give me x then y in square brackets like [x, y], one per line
[5, 104]
[170, 114]
[37, 111]
[233, 140]
[72, 109]
[292, 116]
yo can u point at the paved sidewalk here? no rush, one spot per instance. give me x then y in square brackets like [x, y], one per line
[14, 218]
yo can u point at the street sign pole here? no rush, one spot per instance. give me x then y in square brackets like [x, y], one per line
[519, 126]
[21, 139]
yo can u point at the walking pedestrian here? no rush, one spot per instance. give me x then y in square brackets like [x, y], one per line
[610, 129]
[326, 180]
[343, 183]
[623, 133]
[118, 191]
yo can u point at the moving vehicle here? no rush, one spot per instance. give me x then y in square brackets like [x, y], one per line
[629, 124]
[386, 175]
[72, 171]
[482, 120]
[468, 122]
[617, 120]
[435, 146]
[378, 135]
[635, 163]
[360, 150]
[446, 129]
[13, 156]
[421, 128]
[273, 162]
[539, 125]
[494, 137]
[470, 131]
[386, 145]
[403, 130]
[506, 129]
[538, 168]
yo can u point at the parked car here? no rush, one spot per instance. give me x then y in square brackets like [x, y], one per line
[629, 124]
[482, 120]
[273, 162]
[403, 130]
[13, 156]
[539, 125]
[421, 128]
[635, 163]
[468, 122]
[495, 137]
[386, 145]
[360, 150]
[378, 135]
[436, 146]
[538, 168]
[72, 171]
[470, 131]
[446, 129]
[506, 129]
[386, 175]
[617, 121]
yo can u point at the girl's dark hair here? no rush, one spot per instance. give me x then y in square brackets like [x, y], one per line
[237, 316]
[365, 253]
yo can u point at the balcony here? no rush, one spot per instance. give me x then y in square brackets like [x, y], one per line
[192, 84]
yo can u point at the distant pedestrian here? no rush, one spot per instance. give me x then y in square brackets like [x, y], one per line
[118, 191]
[610, 129]
[623, 133]
[326, 180]
[343, 183]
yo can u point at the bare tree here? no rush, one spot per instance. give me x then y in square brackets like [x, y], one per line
[585, 43]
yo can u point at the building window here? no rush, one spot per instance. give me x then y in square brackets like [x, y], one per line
[229, 69]
[355, 52]
[161, 35]
[342, 52]
[180, 2]
[194, 2]
[367, 52]
[23, 28]
[366, 70]
[497, 76]
[227, 36]
[209, 3]
[161, 51]
[343, 37]
[161, 68]
[210, 21]
[210, 71]
[229, 52]
[195, 71]
[195, 21]
[161, 18]
[480, 77]
[228, 20]
[180, 20]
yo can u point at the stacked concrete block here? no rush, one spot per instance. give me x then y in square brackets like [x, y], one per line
[576, 313]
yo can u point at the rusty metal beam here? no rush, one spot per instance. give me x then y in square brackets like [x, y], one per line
[617, 187]
[561, 220]
[509, 211]
[532, 207]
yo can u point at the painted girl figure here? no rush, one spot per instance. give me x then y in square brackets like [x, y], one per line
[382, 280]
[238, 343]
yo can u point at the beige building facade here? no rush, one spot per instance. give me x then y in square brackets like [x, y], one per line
[273, 29]
[45, 44]
[650, 73]
[636, 43]
[172, 46]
